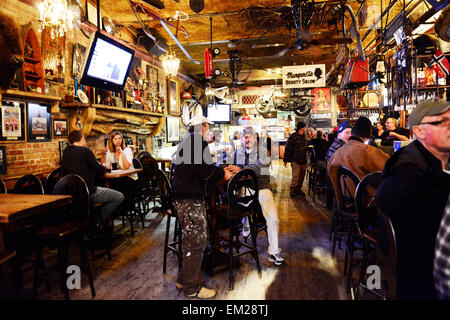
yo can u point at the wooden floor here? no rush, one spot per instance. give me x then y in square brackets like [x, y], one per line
[135, 271]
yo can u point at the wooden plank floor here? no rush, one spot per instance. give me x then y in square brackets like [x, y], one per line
[135, 271]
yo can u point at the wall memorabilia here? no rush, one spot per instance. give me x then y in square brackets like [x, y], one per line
[38, 122]
[62, 146]
[173, 129]
[2, 160]
[60, 128]
[307, 76]
[321, 100]
[12, 121]
[172, 98]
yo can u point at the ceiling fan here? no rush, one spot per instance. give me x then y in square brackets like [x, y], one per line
[302, 13]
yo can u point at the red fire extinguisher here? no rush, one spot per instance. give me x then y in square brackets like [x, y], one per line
[208, 63]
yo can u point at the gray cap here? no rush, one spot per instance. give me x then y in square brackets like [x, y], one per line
[199, 120]
[429, 107]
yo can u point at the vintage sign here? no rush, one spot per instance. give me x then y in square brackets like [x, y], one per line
[307, 76]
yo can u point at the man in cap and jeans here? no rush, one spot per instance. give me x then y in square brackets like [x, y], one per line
[193, 167]
[295, 153]
[413, 194]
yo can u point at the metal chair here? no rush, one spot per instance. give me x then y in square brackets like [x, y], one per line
[70, 224]
[28, 184]
[365, 204]
[3, 187]
[175, 245]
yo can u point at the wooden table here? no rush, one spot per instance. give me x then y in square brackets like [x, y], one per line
[15, 207]
[120, 173]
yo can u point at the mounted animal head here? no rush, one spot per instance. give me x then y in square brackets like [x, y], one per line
[10, 50]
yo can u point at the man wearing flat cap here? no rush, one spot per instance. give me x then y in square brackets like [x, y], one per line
[413, 194]
[193, 167]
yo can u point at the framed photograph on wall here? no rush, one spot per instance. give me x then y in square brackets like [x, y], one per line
[60, 128]
[38, 122]
[12, 121]
[62, 146]
[173, 129]
[321, 100]
[2, 160]
[172, 98]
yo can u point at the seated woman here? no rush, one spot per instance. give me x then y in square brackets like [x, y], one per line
[117, 153]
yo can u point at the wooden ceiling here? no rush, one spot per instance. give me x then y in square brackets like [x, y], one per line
[259, 28]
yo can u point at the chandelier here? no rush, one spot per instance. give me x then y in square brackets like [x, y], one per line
[56, 16]
[170, 64]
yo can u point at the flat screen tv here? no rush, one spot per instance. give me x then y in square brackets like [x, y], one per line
[106, 63]
[219, 113]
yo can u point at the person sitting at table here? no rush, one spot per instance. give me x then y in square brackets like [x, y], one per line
[393, 133]
[193, 167]
[79, 159]
[255, 157]
[123, 157]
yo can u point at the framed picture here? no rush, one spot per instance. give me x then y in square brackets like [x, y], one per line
[173, 129]
[172, 97]
[12, 121]
[321, 100]
[141, 145]
[60, 128]
[2, 160]
[38, 126]
[62, 146]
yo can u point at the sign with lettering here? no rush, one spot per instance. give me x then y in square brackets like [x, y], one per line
[307, 76]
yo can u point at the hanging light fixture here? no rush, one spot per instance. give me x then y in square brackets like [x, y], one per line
[170, 63]
[56, 16]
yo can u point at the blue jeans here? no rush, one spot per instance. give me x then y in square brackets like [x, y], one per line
[111, 199]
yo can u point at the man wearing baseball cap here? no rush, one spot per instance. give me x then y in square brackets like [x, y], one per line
[193, 167]
[344, 131]
[414, 192]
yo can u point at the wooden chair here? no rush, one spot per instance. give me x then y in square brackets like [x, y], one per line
[176, 244]
[149, 177]
[52, 179]
[69, 225]
[365, 204]
[28, 184]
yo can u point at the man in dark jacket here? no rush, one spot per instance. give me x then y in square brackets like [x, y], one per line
[295, 153]
[193, 167]
[79, 159]
[414, 192]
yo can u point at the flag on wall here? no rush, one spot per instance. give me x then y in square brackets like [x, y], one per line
[440, 64]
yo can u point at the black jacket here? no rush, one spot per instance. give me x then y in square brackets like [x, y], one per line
[81, 161]
[193, 167]
[413, 193]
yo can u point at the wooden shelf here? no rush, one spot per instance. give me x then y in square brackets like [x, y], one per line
[31, 60]
[104, 107]
[30, 95]
[32, 77]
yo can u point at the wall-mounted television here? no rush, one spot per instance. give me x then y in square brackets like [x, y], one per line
[219, 113]
[106, 63]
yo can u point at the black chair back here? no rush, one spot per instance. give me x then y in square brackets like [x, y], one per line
[75, 186]
[143, 153]
[52, 179]
[365, 202]
[165, 191]
[242, 194]
[387, 254]
[347, 183]
[3, 187]
[28, 184]
[150, 167]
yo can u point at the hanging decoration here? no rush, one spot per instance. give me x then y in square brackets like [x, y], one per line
[170, 63]
[56, 16]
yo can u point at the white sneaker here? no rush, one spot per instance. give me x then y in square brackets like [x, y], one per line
[245, 231]
[277, 259]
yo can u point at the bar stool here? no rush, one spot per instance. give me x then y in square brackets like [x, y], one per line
[175, 245]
